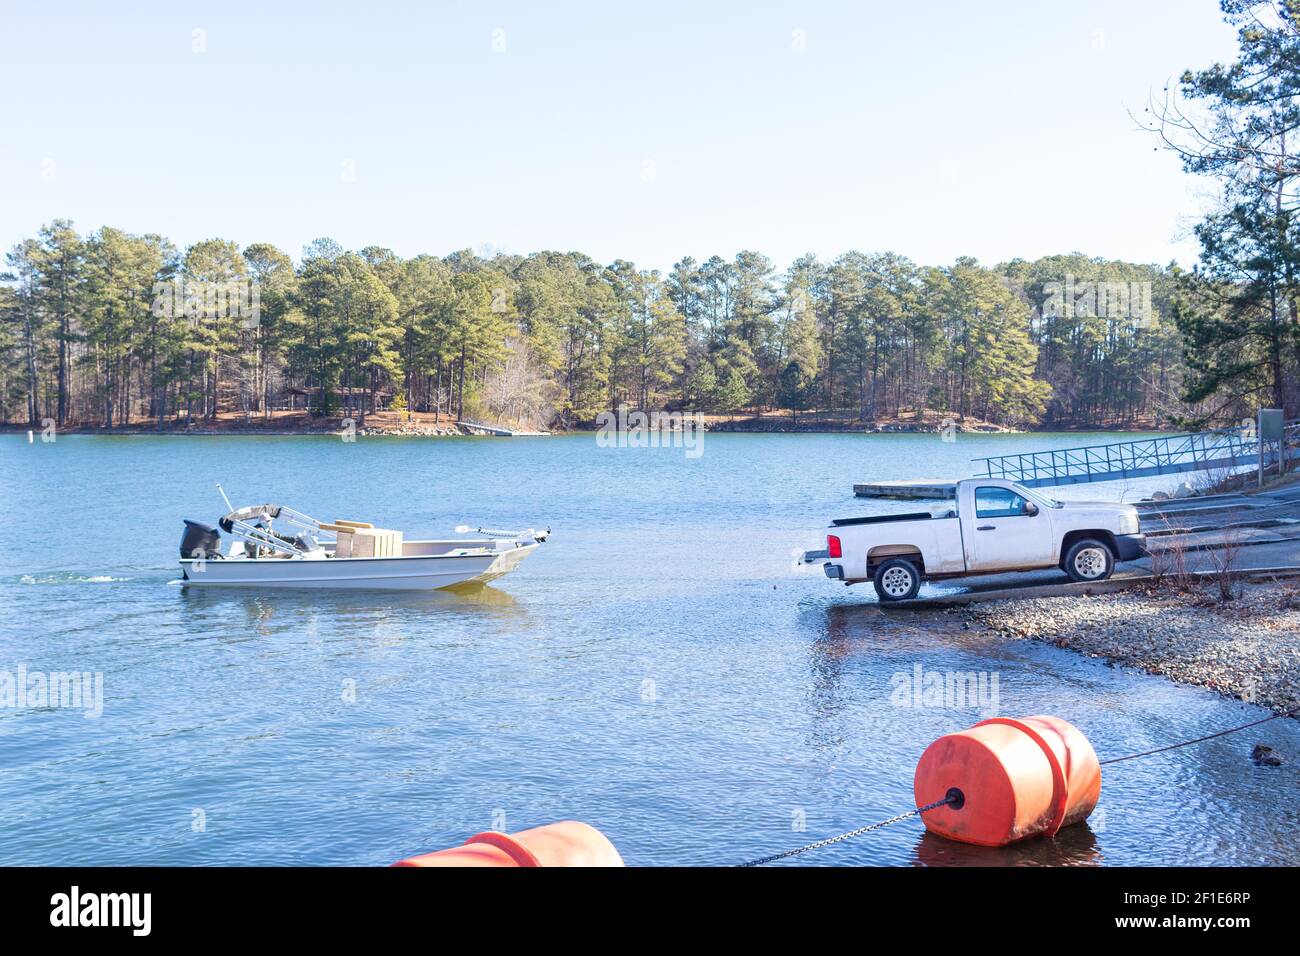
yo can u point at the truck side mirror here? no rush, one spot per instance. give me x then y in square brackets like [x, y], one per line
[1031, 509]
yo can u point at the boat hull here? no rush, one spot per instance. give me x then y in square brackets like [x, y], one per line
[410, 573]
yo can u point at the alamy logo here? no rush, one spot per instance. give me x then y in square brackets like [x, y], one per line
[946, 690]
[1106, 300]
[209, 301]
[75, 908]
[21, 688]
[654, 430]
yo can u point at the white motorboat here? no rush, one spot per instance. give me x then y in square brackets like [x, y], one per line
[305, 553]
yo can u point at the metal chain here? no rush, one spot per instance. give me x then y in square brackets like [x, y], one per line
[852, 833]
[1222, 733]
[951, 798]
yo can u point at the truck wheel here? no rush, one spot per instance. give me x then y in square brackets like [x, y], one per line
[1089, 560]
[897, 580]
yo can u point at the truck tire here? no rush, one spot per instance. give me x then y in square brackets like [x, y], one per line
[897, 580]
[1089, 560]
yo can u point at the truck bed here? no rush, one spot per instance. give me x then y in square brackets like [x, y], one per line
[913, 516]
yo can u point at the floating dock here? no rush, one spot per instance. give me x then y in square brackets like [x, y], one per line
[908, 488]
[503, 432]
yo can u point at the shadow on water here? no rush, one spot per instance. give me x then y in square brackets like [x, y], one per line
[485, 596]
[840, 635]
[844, 632]
[1074, 846]
[237, 613]
[854, 651]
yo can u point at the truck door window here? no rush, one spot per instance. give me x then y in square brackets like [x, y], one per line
[998, 503]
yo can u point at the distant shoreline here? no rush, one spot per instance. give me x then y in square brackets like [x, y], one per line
[375, 426]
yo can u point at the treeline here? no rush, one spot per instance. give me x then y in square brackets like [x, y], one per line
[1239, 125]
[115, 329]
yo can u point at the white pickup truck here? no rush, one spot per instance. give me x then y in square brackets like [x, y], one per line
[997, 526]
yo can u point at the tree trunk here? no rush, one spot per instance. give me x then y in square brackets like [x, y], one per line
[460, 394]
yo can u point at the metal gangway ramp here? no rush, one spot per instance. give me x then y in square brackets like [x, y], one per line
[1227, 449]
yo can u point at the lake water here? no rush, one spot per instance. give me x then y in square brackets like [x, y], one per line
[659, 668]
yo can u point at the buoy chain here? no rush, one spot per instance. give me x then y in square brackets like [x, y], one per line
[1295, 711]
[950, 798]
[956, 799]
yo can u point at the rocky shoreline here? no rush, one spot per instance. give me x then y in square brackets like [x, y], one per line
[417, 431]
[328, 427]
[814, 426]
[384, 423]
[1248, 648]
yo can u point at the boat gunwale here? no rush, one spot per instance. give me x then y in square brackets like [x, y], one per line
[393, 557]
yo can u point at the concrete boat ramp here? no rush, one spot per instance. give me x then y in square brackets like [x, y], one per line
[1261, 531]
[1256, 532]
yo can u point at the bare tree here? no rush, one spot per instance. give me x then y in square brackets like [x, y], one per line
[1170, 567]
[519, 391]
[1223, 564]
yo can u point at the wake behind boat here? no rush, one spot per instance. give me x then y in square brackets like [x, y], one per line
[305, 553]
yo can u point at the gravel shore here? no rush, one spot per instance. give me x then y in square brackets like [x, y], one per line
[1248, 648]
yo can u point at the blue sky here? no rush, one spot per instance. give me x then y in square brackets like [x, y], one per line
[638, 131]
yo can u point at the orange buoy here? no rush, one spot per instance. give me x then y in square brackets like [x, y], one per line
[1009, 779]
[568, 843]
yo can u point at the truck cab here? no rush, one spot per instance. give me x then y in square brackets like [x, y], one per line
[997, 526]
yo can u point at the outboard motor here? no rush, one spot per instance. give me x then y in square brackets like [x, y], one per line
[200, 540]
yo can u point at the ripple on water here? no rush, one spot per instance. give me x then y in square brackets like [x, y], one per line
[657, 669]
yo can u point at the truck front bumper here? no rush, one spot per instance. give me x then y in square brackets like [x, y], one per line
[1131, 546]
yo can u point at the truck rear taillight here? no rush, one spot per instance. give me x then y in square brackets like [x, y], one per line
[833, 546]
